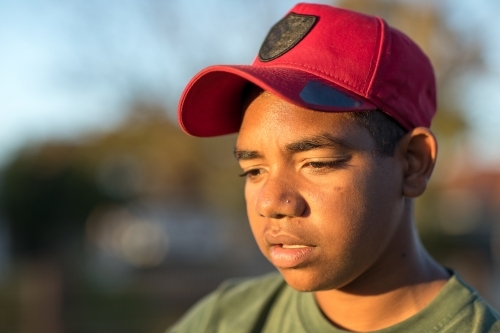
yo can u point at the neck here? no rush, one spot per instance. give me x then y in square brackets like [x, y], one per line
[392, 290]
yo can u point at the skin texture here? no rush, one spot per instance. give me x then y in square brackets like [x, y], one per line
[334, 217]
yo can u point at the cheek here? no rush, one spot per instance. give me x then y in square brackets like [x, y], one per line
[256, 221]
[366, 211]
[340, 197]
[250, 200]
[340, 215]
[347, 207]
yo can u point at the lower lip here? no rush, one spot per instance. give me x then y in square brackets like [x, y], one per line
[289, 258]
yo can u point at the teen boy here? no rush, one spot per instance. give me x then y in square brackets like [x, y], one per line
[333, 120]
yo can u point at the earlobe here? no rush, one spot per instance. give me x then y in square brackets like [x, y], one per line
[419, 150]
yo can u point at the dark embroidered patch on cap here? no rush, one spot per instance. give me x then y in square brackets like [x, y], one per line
[285, 34]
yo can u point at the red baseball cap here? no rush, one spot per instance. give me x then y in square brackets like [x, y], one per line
[322, 58]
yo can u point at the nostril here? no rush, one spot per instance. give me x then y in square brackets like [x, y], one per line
[273, 216]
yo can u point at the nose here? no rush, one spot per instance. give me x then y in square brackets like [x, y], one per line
[279, 198]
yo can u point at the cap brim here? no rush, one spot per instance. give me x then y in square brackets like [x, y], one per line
[211, 102]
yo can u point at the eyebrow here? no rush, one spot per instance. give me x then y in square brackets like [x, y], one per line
[324, 140]
[244, 155]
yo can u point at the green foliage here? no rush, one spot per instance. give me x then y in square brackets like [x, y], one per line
[48, 191]
[46, 200]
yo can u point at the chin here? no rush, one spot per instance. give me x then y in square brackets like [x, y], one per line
[306, 281]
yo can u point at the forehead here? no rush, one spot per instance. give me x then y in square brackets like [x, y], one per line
[268, 118]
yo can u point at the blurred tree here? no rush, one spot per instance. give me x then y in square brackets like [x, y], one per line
[48, 191]
[45, 196]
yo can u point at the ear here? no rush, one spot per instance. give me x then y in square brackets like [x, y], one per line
[419, 151]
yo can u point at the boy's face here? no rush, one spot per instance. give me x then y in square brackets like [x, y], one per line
[323, 207]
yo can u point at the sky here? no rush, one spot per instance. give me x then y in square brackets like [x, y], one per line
[72, 67]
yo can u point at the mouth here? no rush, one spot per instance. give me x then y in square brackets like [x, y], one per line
[285, 246]
[286, 240]
[288, 250]
[290, 255]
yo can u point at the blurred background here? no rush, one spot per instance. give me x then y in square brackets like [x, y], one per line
[113, 220]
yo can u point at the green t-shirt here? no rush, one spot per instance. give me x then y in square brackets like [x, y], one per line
[267, 304]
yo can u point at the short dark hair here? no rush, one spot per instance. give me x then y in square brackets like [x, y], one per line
[384, 129]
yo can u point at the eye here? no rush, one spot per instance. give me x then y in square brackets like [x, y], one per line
[326, 165]
[321, 165]
[252, 173]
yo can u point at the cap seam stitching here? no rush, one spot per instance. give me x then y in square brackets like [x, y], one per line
[375, 68]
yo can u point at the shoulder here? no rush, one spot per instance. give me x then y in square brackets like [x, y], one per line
[234, 302]
[475, 314]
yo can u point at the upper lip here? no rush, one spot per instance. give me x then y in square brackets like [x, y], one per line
[285, 239]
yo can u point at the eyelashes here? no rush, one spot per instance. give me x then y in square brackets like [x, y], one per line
[250, 173]
[315, 167]
[333, 164]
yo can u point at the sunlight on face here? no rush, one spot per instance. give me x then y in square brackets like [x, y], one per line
[322, 206]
